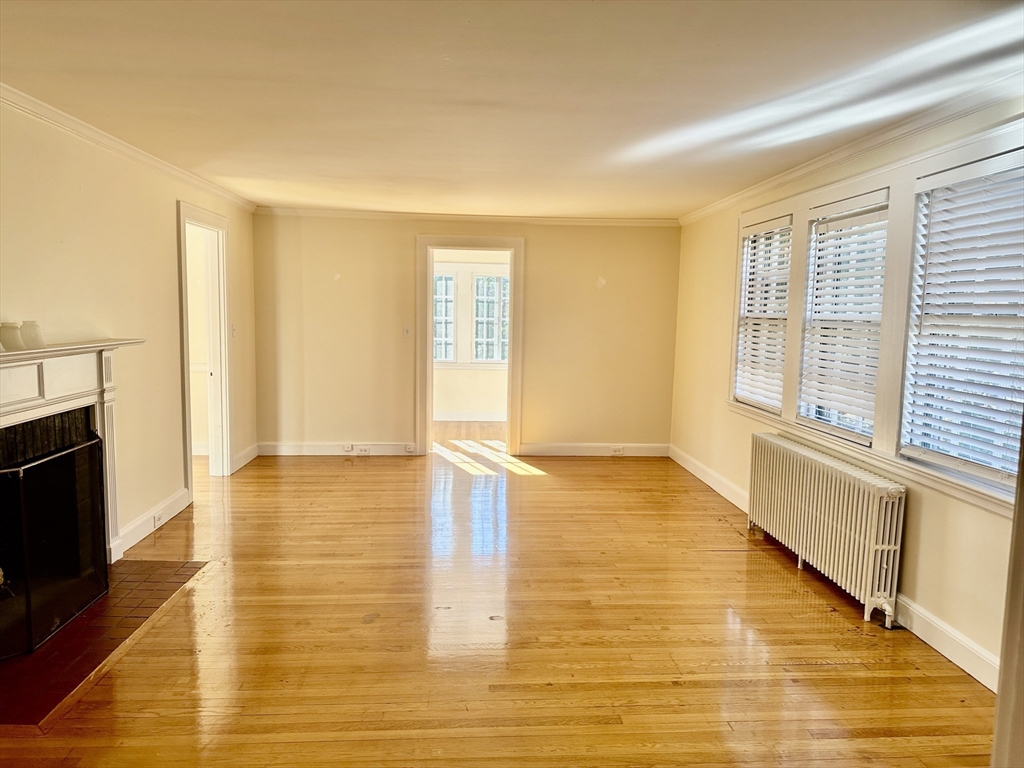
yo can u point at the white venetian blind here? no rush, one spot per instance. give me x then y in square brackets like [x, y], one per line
[843, 323]
[965, 360]
[764, 301]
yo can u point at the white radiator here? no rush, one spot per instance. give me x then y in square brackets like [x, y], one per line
[843, 520]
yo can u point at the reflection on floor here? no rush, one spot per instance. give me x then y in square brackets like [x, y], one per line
[446, 431]
[400, 611]
[34, 685]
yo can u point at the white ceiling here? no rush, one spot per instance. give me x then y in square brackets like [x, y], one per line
[582, 109]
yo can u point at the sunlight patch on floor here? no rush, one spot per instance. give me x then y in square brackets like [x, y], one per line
[462, 461]
[490, 451]
[498, 457]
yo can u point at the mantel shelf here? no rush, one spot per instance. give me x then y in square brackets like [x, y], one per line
[67, 348]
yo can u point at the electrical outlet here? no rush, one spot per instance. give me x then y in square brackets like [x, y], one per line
[618, 450]
[348, 447]
[158, 520]
[363, 450]
[410, 448]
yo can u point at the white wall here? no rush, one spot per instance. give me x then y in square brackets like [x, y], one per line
[334, 295]
[465, 390]
[197, 241]
[89, 247]
[954, 554]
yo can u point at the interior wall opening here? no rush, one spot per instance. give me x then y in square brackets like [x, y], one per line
[206, 431]
[472, 303]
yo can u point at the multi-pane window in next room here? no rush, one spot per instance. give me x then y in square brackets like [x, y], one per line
[490, 320]
[444, 317]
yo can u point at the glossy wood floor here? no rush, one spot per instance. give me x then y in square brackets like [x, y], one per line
[444, 431]
[393, 611]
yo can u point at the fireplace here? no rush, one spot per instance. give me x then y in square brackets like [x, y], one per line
[52, 529]
[59, 524]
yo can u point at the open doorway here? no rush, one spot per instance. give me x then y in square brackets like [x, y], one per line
[206, 432]
[472, 300]
[469, 343]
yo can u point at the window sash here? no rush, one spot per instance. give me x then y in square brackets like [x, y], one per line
[763, 317]
[444, 318]
[491, 318]
[964, 384]
[842, 326]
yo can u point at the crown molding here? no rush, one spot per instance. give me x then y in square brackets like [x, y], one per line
[22, 102]
[346, 213]
[936, 117]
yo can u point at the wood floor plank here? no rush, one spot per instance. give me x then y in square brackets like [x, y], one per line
[407, 611]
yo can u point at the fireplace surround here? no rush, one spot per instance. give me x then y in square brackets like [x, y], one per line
[62, 379]
[58, 490]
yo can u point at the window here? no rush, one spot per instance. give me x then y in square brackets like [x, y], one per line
[965, 359]
[490, 318]
[842, 326]
[764, 300]
[444, 317]
[903, 345]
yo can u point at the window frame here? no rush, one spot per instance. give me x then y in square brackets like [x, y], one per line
[747, 232]
[498, 277]
[455, 316]
[903, 180]
[879, 199]
[989, 166]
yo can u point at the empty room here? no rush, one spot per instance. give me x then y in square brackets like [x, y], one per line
[511, 383]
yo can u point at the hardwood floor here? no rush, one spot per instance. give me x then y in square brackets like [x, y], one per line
[444, 432]
[393, 611]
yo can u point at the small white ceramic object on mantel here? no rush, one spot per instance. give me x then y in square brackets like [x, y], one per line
[10, 337]
[31, 335]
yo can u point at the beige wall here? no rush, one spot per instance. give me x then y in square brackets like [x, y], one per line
[955, 554]
[470, 394]
[197, 241]
[334, 294]
[88, 246]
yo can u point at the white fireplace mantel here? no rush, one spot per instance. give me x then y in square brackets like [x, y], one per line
[62, 377]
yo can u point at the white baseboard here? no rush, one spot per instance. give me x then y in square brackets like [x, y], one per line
[139, 529]
[200, 449]
[980, 664]
[470, 416]
[592, 449]
[243, 457]
[704, 473]
[335, 449]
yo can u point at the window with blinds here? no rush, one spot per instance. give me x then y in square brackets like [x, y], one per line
[964, 383]
[839, 365]
[764, 300]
